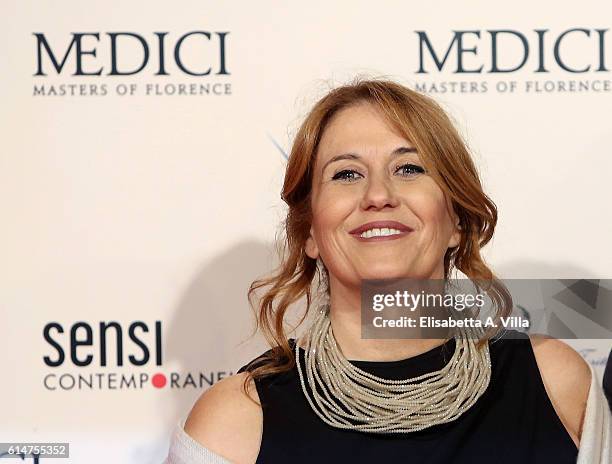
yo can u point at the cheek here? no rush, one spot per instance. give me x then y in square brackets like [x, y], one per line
[430, 207]
[330, 212]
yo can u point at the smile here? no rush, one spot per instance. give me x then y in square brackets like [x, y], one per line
[380, 230]
[371, 235]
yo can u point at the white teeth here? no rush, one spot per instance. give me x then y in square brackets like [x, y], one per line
[378, 232]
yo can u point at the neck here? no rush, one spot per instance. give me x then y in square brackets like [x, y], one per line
[345, 317]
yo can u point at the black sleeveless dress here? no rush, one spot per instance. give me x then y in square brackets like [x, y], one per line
[512, 422]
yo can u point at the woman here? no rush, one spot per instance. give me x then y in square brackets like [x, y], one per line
[376, 156]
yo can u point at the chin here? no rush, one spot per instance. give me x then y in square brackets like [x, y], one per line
[383, 272]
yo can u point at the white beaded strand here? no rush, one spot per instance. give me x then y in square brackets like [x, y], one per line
[357, 400]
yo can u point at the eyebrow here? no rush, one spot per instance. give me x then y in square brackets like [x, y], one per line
[397, 151]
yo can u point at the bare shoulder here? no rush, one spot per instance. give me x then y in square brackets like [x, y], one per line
[567, 379]
[226, 421]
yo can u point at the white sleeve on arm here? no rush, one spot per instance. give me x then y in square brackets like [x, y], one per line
[596, 439]
[185, 450]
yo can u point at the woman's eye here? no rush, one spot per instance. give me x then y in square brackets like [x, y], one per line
[409, 169]
[346, 174]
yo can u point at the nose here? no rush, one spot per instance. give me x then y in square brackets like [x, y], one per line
[379, 193]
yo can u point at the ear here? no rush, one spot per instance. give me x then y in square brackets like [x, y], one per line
[311, 248]
[455, 237]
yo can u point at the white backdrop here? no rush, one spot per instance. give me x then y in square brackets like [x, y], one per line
[123, 200]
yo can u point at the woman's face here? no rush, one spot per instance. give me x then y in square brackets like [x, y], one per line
[365, 172]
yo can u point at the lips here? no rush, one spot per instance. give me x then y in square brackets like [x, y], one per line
[380, 225]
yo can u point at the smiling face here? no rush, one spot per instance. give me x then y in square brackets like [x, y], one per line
[377, 177]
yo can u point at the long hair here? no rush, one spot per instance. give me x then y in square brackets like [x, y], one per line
[446, 158]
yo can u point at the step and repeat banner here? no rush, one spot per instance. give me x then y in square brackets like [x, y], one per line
[143, 152]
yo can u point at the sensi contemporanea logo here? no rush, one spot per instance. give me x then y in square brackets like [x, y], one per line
[112, 355]
[121, 63]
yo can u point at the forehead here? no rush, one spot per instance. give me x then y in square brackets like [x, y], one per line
[359, 127]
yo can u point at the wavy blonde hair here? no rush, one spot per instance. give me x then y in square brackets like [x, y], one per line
[446, 158]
